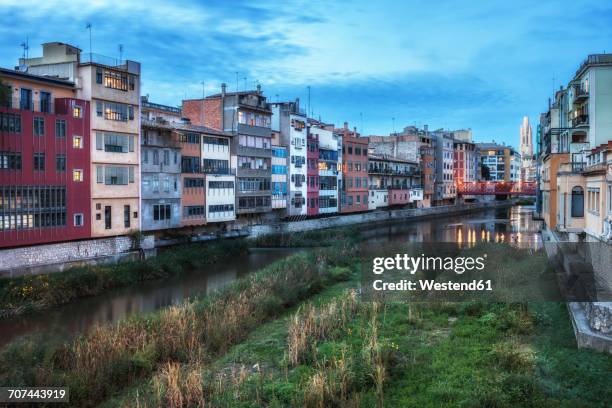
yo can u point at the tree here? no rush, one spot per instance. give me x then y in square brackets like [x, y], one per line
[485, 172]
[4, 93]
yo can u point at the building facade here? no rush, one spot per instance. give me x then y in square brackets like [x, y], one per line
[444, 187]
[354, 193]
[113, 89]
[279, 174]
[44, 161]
[160, 152]
[328, 166]
[247, 116]
[291, 124]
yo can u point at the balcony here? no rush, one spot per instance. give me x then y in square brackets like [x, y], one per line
[571, 167]
[580, 121]
[36, 105]
[220, 171]
[580, 94]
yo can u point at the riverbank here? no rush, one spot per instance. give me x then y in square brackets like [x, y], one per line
[332, 349]
[107, 359]
[31, 293]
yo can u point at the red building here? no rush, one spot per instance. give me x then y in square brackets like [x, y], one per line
[312, 174]
[354, 193]
[44, 161]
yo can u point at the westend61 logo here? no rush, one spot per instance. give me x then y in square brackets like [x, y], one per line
[411, 264]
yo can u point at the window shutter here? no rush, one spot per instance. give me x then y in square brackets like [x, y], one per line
[99, 174]
[131, 172]
[131, 143]
[99, 141]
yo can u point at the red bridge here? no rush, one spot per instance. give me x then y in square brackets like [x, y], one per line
[497, 188]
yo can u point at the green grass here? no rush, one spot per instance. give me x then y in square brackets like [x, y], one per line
[439, 355]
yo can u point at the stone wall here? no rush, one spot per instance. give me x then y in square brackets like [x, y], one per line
[369, 217]
[53, 257]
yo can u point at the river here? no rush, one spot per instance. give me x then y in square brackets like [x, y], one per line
[513, 225]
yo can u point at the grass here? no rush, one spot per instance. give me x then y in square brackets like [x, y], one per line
[31, 293]
[109, 358]
[333, 350]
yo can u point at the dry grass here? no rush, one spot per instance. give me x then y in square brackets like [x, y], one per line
[311, 324]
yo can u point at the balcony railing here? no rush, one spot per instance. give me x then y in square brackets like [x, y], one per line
[580, 94]
[580, 120]
[88, 57]
[32, 105]
[572, 167]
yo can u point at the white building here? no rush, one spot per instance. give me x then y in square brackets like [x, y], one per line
[328, 167]
[220, 178]
[290, 123]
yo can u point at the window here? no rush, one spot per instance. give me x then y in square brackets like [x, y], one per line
[60, 162]
[78, 220]
[39, 161]
[126, 216]
[193, 138]
[162, 212]
[114, 111]
[99, 75]
[215, 141]
[60, 128]
[220, 208]
[577, 202]
[25, 103]
[194, 182]
[166, 157]
[49, 210]
[221, 184]
[10, 122]
[193, 211]
[213, 166]
[77, 142]
[116, 175]
[39, 126]
[10, 161]
[45, 102]
[77, 175]
[155, 157]
[107, 217]
[115, 80]
[77, 112]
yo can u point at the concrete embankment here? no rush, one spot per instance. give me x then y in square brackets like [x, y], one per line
[372, 218]
[60, 256]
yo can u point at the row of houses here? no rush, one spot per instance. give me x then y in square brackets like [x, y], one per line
[575, 154]
[83, 155]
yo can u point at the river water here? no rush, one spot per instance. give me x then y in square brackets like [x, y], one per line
[513, 225]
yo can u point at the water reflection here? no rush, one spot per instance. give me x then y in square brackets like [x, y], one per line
[513, 225]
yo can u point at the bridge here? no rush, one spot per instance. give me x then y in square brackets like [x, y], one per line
[497, 188]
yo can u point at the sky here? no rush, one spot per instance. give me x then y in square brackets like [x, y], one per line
[378, 65]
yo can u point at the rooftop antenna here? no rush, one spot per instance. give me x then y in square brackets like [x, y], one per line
[245, 83]
[236, 81]
[120, 53]
[88, 27]
[25, 45]
[393, 120]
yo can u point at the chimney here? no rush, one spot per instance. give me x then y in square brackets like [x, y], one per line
[346, 125]
[223, 89]
[258, 89]
[426, 128]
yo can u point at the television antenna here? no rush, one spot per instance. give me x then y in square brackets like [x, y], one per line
[26, 47]
[120, 53]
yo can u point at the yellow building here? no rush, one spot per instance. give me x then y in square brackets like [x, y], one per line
[113, 87]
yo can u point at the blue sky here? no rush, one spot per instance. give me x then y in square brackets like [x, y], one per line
[444, 63]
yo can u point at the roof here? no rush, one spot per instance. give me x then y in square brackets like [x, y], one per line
[201, 129]
[37, 78]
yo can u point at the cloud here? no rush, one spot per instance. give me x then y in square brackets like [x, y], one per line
[457, 64]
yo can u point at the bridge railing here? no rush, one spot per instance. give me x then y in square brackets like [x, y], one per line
[497, 187]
